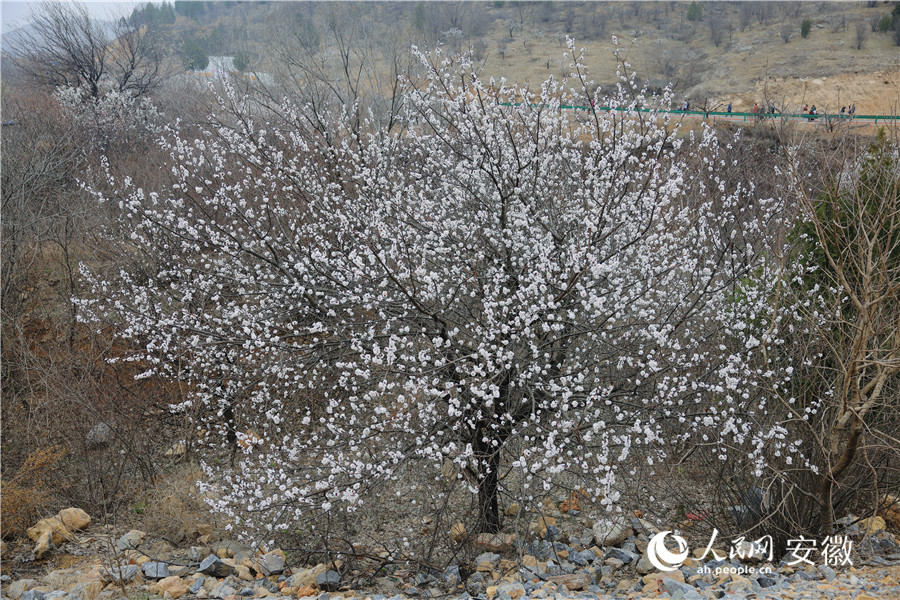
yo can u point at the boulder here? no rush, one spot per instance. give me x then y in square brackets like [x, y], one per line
[74, 518]
[121, 573]
[155, 570]
[18, 588]
[328, 581]
[611, 532]
[306, 577]
[872, 525]
[132, 539]
[271, 563]
[99, 435]
[215, 566]
[173, 585]
[56, 528]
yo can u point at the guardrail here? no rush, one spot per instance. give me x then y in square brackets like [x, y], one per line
[743, 116]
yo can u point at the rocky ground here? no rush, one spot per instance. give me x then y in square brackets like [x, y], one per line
[609, 561]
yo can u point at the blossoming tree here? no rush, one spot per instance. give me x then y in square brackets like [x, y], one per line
[495, 285]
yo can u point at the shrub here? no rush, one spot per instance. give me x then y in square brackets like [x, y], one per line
[695, 12]
[805, 27]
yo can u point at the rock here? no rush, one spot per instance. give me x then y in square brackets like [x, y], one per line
[487, 562]
[215, 566]
[306, 577]
[155, 570]
[87, 590]
[196, 586]
[611, 532]
[572, 582]
[132, 539]
[222, 590]
[243, 572]
[306, 591]
[174, 586]
[121, 573]
[644, 565]
[18, 588]
[74, 518]
[32, 595]
[510, 591]
[539, 527]
[271, 563]
[765, 582]
[512, 510]
[458, 533]
[622, 555]
[890, 510]
[653, 581]
[175, 450]
[828, 572]
[328, 581]
[500, 542]
[615, 563]
[53, 526]
[673, 586]
[872, 525]
[99, 435]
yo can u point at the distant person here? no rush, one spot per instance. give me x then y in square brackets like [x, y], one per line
[729, 107]
[813, 110]
[805, 108]
[843, 110]
[755, 108]
[853, 109]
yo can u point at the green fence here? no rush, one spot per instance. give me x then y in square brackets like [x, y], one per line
[735, 116]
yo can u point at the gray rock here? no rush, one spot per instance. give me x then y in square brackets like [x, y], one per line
[99, 435]
[132, 539]
[411, 591]
[765, 582]
[579, 559]
[55, 595]
[488, 557]
[246, 592]
[271, 563]
[828, 572]
[509, 591]
[328, 580]
[644, 565]
[155, 570]
[611, 532]
[625, 556]
[213, 565]
[222, 590]
[196, 553]
[122, 573]
[32, 595]
[450, 575]
[18, 588]
[198, 583]
[686, 590]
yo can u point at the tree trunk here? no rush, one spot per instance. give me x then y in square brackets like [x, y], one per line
[488, 491]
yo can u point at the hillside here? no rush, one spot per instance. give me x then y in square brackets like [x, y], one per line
[738, 52]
